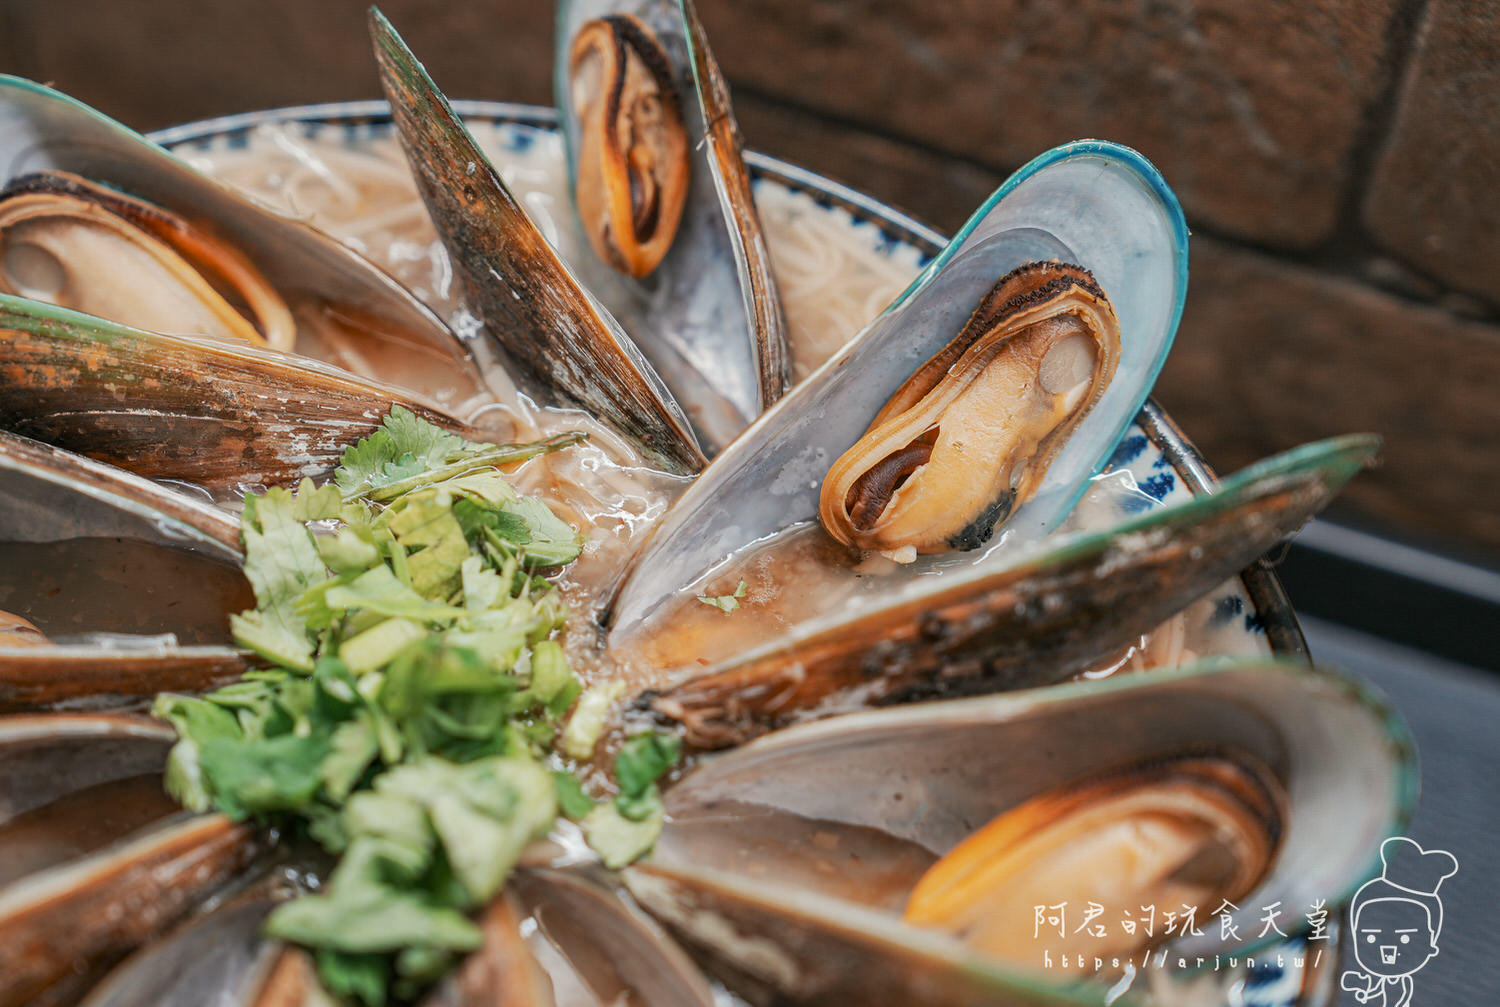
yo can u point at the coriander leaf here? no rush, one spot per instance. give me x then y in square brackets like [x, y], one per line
[196, 721]
[551, 540]
[587, 722]
[274, 638]
[379, 644]
[351, 550]
[378, 590]
[642, 760]
[435, 567]
[316, 504]
[639, 807]
[483, 457]
[553, 684]
[281, 562]
[499, 648]
[440, 694]
[482, 586]
[572, 801]
[253, 777]
[367, 916]
[411, 435]
[398, 820]
[419, 966]
[618, 840]
[351, 976]
[405, 446]
[484, 487]
[353, 749]
[726, 602]
[475, 518]
[485, 813]
[325, 825]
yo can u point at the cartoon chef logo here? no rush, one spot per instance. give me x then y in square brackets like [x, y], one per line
[1396, 919]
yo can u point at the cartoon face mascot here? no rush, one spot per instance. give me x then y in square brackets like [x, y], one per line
[1396, 919]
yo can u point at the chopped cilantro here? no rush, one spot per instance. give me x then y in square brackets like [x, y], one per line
[725, 602]
[415, 692]
[617, 839]
[587, 723]
[639, 763]
[643, 759]
[572, 800]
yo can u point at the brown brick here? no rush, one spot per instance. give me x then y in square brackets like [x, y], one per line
[154, 64]
[1271, 355]
[1435, 198]
[1250, 109]
[937, 190]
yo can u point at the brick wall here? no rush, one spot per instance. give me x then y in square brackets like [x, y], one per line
[1339, 161]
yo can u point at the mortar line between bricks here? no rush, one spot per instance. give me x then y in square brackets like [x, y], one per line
[1378, 118]
[1341, 257]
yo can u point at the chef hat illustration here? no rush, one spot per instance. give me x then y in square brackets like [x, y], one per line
[1412, 873]
[1409, 867]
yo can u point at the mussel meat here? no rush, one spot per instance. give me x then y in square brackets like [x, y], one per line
[71, 242]
[633, 166]
[971, 433]
[1187, 832]
[18, 632]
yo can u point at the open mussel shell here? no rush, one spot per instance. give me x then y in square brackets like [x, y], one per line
[344, 309]
[95, 859]
[783, 945]
[219, 958]
[1041, 618]
[89, 549]
[646, 117]
[563, 936]
[545, 320]
[220, 415]
[1094, 204]
[800, 840]
[94, 249]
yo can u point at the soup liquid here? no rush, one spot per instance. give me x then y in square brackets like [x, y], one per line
[76, 587]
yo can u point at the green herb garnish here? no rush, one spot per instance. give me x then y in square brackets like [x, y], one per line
[416, 707]
[725, 602]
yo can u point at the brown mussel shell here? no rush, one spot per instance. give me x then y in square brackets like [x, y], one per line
[92, 868]
[633, 158]
[549, 326]
[969, 436]
[217, 414]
